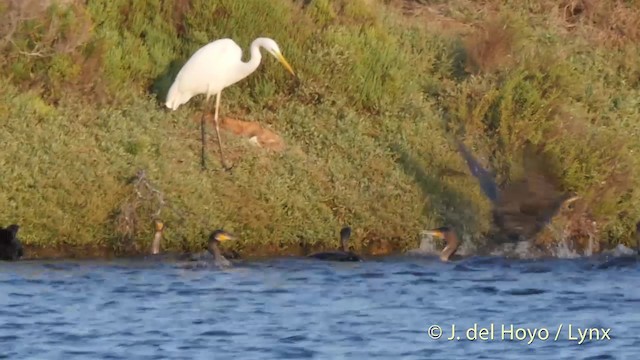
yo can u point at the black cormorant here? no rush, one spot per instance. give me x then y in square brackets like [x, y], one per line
[10, 245]
[215, 238]
[339, 255]
[211, 254]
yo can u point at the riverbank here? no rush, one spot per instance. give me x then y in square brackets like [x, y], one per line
[91, 156]
[247, 251]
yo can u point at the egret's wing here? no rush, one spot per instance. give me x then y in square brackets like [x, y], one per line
[487, 183]
[212, 65]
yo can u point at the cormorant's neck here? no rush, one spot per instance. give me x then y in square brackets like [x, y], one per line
[345, 244]
[155, 246]
[638, 238]
[215, 250]
[452, 245]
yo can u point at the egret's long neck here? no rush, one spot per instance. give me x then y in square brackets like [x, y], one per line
[250, 66]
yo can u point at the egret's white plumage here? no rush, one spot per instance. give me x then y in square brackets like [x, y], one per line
[214, 67]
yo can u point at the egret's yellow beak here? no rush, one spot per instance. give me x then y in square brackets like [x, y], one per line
[436, 233]
[284, 62]
[159, 225]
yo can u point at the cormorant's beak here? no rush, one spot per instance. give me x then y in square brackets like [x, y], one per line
[224, 237]
[285, 63]
[436, 233]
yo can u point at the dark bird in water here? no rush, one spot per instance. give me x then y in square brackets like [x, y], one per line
[215, 239]
[451, 239]
[521, 209]
[10, 245]
[625, 259]
[211, 255]
[339, 255]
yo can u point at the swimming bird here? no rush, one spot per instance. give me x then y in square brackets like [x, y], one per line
[451, 239]
[215, 238]
[212, 254]
[339, 255]
[623, 256]
[10, 245]
[521, 209]
[212, 68]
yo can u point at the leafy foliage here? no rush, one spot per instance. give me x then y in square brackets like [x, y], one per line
[367, 125]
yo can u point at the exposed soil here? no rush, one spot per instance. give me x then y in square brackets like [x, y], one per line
[256, 133]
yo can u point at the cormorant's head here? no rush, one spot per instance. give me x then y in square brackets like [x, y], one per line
[439, 232]
[219, 236]
[216, 237]
[13, 229]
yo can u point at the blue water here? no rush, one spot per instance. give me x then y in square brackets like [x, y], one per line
[305, 309]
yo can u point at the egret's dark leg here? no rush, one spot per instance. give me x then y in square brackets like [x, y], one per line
[215, 120]
[203, 132]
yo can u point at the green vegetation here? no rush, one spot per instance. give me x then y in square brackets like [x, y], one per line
[384, 86]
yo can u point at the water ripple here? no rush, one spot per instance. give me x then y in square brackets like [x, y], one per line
[299, 308]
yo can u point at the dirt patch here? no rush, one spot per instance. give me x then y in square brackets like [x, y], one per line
[431, 16]
[251, 130]
[489, 47]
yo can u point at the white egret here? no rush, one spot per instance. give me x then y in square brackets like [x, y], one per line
[214, 67]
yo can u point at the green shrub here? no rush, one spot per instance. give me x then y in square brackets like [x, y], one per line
[367, 124]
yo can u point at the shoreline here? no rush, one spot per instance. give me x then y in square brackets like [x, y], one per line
[381, 247]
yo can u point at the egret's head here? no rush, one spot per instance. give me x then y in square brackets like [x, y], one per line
[272, 47]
